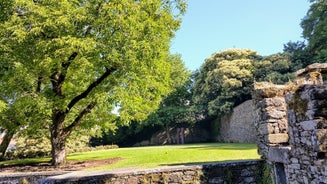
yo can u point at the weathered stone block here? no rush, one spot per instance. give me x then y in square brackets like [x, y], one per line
[322, 139]
[279, 154]
[308, 125]
[283, 125]
[273, 114]
[268, 90]
[321, 123]
[265, 129]
[277, 138]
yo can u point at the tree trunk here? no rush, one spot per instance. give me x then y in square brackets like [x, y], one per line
[168, 134]
[58, 138]
[5, 143]
[59, 133]
[58, 147]
[177, 135]
[182, 136]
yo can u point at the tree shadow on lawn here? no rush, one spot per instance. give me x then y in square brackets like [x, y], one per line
[71, 165]
[224, 146]
[223, 162]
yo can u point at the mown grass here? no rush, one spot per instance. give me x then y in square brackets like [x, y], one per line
[155, 156]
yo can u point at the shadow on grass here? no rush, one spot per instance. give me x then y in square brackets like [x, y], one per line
[224, 146]
[207, 162]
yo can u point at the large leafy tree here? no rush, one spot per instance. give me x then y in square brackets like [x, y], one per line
[314, 27]
[224, 80]
[74, 57]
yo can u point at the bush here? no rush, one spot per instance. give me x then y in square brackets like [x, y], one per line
[39, 146]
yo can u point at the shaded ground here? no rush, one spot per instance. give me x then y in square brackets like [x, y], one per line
[70, 166]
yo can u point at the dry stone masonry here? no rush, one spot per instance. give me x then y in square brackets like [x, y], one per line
[291, 121]
[241, 172]
[237, 127]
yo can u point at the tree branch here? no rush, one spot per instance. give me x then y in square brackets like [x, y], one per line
[39, 82]
[78, 119]
[93, 85]
[58, 78]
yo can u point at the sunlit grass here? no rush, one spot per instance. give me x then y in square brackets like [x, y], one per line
[155, 156]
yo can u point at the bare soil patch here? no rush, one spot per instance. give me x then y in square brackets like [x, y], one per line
[69, 166]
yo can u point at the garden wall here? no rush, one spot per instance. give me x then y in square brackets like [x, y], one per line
[245, 172]
[237, 127]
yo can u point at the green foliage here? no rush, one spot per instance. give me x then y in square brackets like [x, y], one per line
[173, 110]
[6, 8]
[125, 135]
[300, 56]
[175, 107]
[37, 145]
[224, 81]
[276, 68]
[314, 26]
[71, 58]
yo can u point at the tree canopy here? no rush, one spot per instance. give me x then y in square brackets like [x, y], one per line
[314, 26]
[174, 109]
[224, 80]
[275, 68]
[71, 58]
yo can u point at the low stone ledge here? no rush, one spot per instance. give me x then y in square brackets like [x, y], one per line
[30, 177]
[236, 171]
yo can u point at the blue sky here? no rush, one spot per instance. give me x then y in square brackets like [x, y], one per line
[210, 26]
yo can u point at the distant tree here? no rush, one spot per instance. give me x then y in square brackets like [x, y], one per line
[276, 68]
[175, 110]
[71, 58]
[299, 55]
[314, 26]
[223, 82]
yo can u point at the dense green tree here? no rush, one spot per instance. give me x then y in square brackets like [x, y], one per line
[175, 109]
[314, 26]
[276, 68]
[6, 8]
[74, 57]
[299, 55]
[223, 81]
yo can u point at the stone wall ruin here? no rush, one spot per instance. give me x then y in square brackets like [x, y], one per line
[291, 122]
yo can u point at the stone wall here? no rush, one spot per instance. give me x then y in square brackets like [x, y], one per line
[194, 134]
[245, 172]
[229, 172]
[26, 178]
[271, 117]
[292, 127]
[238, 126]
[307, 113]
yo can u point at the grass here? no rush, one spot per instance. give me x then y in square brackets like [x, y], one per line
[155, 156]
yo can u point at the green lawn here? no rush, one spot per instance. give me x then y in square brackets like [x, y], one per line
[154, 156]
